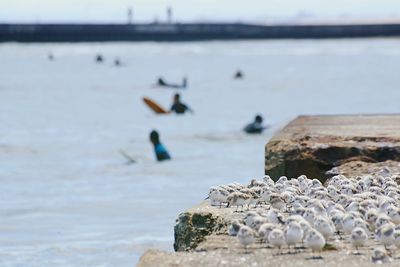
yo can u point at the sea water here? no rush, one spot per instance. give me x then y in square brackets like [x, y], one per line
[68, 196]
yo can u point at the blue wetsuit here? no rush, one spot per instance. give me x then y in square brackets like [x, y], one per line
[161, 152]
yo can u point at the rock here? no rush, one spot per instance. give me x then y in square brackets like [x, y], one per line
[358, 168]
[194, 225]
[313, 145]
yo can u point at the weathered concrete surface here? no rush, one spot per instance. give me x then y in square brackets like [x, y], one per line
[313, 145]
[223, 250]
[216, 248]
[195, 224]
[358, 168]
[257, 258]
[349, 145]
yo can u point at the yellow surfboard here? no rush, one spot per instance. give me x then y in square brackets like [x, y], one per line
[154, 106]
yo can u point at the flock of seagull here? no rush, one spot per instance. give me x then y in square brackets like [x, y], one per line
[303, 212]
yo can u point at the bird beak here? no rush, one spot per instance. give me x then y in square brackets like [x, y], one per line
[207, 197]
[228, 205]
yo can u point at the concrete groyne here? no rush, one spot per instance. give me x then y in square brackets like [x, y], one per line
[322, 145]
[187, 32]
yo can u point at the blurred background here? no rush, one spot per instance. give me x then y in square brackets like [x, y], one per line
[80, 182]
[195, 10]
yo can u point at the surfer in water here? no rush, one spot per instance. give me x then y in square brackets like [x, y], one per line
[162, 83]
[256, 126]
[159, 149]
[99, 58]
[238, 75]
[178, 107]
[117, 62]
[50, 56]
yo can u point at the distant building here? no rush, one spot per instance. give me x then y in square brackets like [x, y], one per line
[130, 15]
[169, 15]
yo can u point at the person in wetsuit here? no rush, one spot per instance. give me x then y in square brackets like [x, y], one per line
[99, 58]
[256, 126]
[117, 62]
[178, 107]
[161, 82]
[159, 149]
[238, 75]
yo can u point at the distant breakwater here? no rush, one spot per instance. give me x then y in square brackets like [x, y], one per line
[187, 32]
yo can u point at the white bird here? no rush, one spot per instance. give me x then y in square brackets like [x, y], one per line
[382, 220]
[397, 238]
[217, 196]
[293, 234]
[303, 185]
[370, 216]
[238, 199]
[358, 222]
[255, 183]
[267, 179]
[358, 238]
[234, 228]
[273, 216]
[305, 226]
[380, 256]
[348, 223]
[315, 241]
[363, 207]
[257, 222]
[249, 217]
[277, 202]
[246, 236]
[264, 231]
[277, 239]
[324, 226]
[394, 214]
[281, 180]
[265, 195]
[385, 235]
[309, 215]
[337, 220]
[279, 188]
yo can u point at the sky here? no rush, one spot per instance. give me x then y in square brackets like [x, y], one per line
[195, 10]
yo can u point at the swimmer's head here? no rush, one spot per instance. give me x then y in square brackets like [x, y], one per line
[154, 137]
[177, 97]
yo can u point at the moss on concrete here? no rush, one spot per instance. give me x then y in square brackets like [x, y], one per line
[191, 228]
